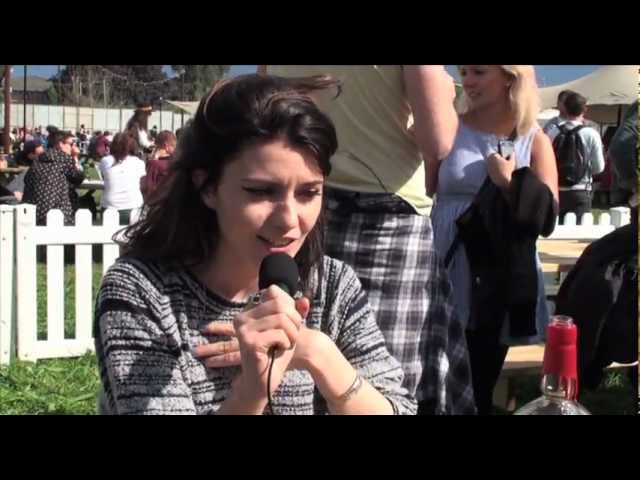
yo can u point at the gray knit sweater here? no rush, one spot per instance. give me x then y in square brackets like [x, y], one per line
[148, 318]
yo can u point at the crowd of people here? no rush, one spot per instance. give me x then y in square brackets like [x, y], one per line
[129, 163]
[413, 228]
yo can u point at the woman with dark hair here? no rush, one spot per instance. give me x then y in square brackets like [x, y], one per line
[138, 129]
[247, 182]
[122, 171]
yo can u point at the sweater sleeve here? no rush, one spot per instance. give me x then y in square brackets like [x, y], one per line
[139, 353]
[363, 345]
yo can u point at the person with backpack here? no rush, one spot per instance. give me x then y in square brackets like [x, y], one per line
[552, 125]
[579, 156]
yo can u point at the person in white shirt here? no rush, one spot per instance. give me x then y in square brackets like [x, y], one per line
[121, 171]
[577, 198]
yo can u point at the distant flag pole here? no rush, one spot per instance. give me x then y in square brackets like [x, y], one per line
[24, 102]
[6, 141]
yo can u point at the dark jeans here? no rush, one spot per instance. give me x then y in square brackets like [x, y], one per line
[486, 355]
[576, 201]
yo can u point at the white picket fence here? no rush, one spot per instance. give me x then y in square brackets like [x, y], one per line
[588, 230]
[18, 285]
[19, 237]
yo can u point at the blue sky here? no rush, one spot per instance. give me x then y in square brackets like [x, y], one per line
[547, 74]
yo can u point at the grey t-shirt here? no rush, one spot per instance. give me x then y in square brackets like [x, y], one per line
[17, 184]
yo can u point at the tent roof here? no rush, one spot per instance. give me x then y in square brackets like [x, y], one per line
[34, 84]
[608, 85]
[188, 107]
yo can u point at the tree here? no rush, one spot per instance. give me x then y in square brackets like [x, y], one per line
[198, 80]
[54, 96]
[110, 85]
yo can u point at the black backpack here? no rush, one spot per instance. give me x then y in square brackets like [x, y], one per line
[571, 159]
[601, 294]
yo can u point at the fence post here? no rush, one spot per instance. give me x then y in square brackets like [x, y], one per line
[84, 280]
[110, 252]
[7, 285]
[26, 275]
[605, 219]
[55, 280]
[620, 216]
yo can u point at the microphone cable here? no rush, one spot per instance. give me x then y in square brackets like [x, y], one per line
[272, 358]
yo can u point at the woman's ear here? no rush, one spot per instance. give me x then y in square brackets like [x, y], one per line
[198, 177]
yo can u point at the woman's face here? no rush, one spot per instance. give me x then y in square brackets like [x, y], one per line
[485, 85]
[268, 200]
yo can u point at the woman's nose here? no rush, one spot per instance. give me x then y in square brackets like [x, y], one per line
[286, 214]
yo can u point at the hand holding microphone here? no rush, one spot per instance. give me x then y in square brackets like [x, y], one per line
[267, 330]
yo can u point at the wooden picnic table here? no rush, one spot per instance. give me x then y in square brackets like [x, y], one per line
[14, 170]
[557, 258]
[560, 252]
[92, 185]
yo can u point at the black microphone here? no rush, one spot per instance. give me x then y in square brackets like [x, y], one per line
[281, 270]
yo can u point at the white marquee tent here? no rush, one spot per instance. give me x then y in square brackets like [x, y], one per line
[609, 91]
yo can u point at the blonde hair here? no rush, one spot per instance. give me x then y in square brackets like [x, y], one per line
[523, 96]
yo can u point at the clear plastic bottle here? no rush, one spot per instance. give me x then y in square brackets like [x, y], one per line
[560, 373]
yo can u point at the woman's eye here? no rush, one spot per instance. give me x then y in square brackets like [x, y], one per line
[259, 191]
[311, 193]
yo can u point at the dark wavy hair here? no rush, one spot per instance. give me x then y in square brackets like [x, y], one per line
[139, 120]
[238, 113]
[123, 144]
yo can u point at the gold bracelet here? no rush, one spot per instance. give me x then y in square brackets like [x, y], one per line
[352, 390]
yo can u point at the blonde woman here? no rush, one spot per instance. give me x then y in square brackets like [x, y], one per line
[500, 102]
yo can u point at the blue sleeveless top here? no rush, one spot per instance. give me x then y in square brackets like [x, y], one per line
[460, 177]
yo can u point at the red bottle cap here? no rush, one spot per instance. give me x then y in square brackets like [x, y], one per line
[560, 353]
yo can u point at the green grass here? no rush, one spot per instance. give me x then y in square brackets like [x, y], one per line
[60, 386]
[56, 386]
[69, 298]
